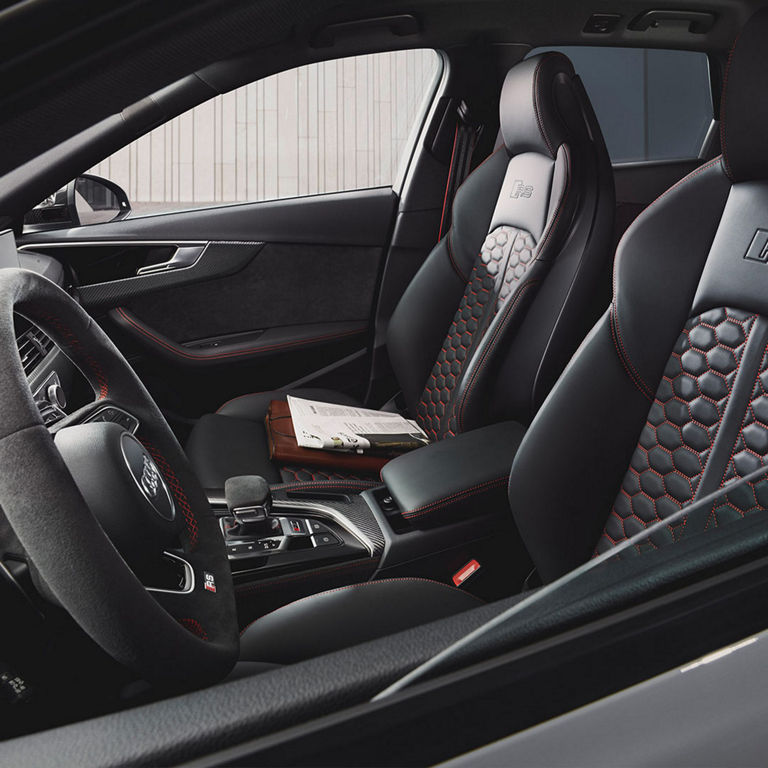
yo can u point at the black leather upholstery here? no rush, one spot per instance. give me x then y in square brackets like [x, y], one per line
[233, 441]
[511, 219]
[348, 616]
[667, 398]
[672, 382]
[543, 83]
[455, 479]
[530, 235]
[743, 108]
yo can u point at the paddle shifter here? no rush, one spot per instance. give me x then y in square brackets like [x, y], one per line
[249, 501]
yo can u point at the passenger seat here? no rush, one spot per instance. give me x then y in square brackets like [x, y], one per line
[513, 282]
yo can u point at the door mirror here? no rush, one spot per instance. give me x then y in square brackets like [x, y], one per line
[85, 200]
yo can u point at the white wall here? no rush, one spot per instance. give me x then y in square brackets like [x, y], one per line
[319, 128]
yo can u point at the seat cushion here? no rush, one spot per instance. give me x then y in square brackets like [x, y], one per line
[339, 618]
[233, 441]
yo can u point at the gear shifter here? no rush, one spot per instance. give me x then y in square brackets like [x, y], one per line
[249, 501]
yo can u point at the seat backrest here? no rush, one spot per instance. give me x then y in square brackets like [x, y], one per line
[530, 235]
[667, 399]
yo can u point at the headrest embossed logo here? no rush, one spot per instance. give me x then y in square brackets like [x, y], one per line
[520, 189]
[758, 248]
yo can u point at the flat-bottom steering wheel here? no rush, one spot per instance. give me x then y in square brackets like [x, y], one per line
[102, 512]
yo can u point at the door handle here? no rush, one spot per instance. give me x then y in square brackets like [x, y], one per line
[183, 256]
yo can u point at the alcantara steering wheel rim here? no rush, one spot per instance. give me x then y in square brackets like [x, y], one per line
[172, 637]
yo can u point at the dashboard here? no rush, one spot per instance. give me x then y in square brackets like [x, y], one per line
[56, 383]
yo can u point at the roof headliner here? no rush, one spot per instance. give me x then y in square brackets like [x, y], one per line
[66, 65]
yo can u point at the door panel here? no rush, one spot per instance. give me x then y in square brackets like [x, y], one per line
[263, 294]
[361, 217]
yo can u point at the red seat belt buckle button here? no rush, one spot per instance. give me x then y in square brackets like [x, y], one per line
[465, 572]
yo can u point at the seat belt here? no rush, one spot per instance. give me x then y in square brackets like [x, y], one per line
[464, 142]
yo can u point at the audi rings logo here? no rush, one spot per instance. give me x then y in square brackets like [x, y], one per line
[150, 478]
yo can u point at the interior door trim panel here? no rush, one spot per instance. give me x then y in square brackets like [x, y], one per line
[256, 344]
[360, 217]
[216, 259]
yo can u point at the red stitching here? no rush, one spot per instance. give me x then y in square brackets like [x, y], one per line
[73, 342]
[616, 326]
[641, 453]
[319, 573]
[448, 181]
[520, 291]
[535, 98]
[682, 181]
[626, 363]
[723, 148]
[426, 509]
[194, 626]
[423, 416]
[561, 202]
[479, 166]
[484, 355]
[178, 492]
[239, 353]
[362, 584]
[749, 411]
[453, 261]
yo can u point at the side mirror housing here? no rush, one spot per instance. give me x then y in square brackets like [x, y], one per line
[85, 200]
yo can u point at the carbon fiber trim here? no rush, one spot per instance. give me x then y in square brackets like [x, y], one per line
[356, 510]
[218, 259]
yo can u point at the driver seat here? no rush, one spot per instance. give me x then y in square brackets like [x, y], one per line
[666, 399]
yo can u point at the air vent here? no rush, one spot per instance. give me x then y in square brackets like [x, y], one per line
[50, 413]
[33, 346]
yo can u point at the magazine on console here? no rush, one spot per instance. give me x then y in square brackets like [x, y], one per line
[332, 427]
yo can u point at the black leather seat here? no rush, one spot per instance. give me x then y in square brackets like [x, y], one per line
[667, 399]
[529, 240]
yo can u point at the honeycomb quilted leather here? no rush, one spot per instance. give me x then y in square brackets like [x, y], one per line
[507, 254]
[750, 452]
[682, 425]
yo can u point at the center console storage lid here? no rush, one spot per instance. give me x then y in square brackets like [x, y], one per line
[455, 478]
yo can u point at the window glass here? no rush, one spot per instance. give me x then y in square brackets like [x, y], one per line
[651, 104]
[326, 127]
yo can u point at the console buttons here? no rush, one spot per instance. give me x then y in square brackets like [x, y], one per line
[325, 540]
[317, 527]
[294, 526]
[251, 548]
[387, 503]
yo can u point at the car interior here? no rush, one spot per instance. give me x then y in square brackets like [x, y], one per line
[539, 231]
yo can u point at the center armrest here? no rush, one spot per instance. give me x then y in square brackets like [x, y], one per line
[455, 478]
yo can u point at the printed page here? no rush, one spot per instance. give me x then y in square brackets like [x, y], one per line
[328, 426]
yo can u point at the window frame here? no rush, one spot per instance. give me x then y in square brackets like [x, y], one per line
[423, 115]
[712, 128]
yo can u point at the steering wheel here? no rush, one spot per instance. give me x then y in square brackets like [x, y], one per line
[99, 510]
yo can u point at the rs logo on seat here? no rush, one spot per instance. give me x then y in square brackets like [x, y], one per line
[758, 248]
[520, 189]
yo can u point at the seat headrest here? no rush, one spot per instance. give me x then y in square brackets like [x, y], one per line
[744, 105]
[536, 109]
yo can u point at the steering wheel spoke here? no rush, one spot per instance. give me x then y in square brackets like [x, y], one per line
[90, 499]
[98, 411]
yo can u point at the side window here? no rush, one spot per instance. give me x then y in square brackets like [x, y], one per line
[651, 104]
[326, 127]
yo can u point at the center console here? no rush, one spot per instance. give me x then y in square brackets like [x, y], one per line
[438, 509]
